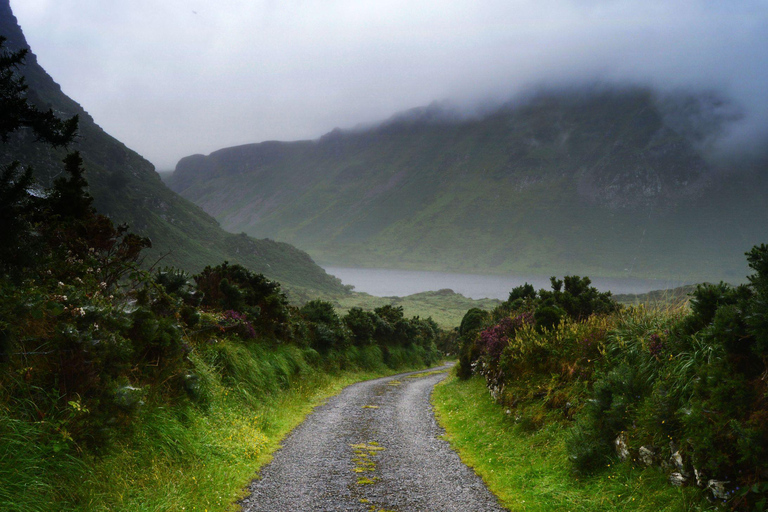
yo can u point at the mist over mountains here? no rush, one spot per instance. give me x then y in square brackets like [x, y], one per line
[126, 188]
[602, 180]
[179, 77]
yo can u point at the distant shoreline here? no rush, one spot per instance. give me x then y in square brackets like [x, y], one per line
[399, 283]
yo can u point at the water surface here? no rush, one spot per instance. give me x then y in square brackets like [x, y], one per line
[399, 283]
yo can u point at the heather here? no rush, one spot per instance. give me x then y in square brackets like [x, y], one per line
[680, 389]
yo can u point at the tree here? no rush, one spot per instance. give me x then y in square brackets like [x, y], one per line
[16, 202]
[69, 197]
[16, 112]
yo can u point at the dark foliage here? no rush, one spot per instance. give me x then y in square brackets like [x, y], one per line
[578, 300]
[699, 383]
[471, 324]
[235, 288]
[326, 329]
[485, 335]
[18, 113]
[361, 325]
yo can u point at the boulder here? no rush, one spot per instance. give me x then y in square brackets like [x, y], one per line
[621, 446]
[701, 478]
[676, 460]
[717, 488]
[677, 479]
[647, 455]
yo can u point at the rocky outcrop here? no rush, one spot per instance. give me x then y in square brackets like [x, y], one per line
[680, 471]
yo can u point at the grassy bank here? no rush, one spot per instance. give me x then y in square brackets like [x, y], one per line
[445, 307]
[527, 469]
[186, 456]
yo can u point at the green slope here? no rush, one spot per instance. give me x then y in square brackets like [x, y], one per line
[603, 182]
[127, 188]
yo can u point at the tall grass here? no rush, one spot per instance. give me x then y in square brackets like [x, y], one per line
[31, 473]
[526, 468]
[196, 454]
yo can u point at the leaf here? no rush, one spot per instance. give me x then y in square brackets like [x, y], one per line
[55, 308]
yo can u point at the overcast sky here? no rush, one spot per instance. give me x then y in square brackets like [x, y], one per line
[176, 77]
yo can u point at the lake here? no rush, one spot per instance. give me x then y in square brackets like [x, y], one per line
[389, 283]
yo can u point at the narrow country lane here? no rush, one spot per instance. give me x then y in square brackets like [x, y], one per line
[372, 448]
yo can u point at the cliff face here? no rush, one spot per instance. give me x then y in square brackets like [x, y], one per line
[600, 182]
[127, 188]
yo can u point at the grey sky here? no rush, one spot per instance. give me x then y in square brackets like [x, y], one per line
[175, 77]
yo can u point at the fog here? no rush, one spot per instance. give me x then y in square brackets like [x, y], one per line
[178, 77]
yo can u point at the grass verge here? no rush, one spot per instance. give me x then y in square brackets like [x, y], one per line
[185, 457]
[528, 470]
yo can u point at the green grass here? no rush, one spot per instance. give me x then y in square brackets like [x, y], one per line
[445, 307]
[658, 298]
[529, 470]
[182, 456]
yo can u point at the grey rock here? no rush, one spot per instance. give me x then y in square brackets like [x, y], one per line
[677, 479]
[647, 455]
[676, 460]
[717, 488]
[701, 478]
[621, 446]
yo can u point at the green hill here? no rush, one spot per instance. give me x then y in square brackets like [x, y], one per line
[604, 182]
[127, 189]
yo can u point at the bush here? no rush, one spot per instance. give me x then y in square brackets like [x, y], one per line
[473, 321]
[235, 288]
[326, 329]
[693, 383]
[362, 326]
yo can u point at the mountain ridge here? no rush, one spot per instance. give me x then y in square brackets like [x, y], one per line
[127, 189]
[561, 182]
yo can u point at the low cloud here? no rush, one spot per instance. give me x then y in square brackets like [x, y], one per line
[178, 77]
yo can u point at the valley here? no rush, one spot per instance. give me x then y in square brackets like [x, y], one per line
[536, 301]
[603, 182]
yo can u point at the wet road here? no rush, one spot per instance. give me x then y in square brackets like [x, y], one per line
[372, 448]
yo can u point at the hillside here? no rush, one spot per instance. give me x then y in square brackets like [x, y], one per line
[602, 182]
[128, 190]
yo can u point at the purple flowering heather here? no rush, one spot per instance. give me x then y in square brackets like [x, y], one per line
[239, 322]
[493, 340]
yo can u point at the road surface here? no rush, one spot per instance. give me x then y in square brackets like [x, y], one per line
[375, 447]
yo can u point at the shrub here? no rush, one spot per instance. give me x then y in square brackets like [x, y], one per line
[326, 329]
[235, 288]
[473, 321]
[362, 326]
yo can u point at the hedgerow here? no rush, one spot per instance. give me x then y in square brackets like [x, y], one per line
[684, 389]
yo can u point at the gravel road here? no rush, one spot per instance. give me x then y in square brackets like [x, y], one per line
[372, 448]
